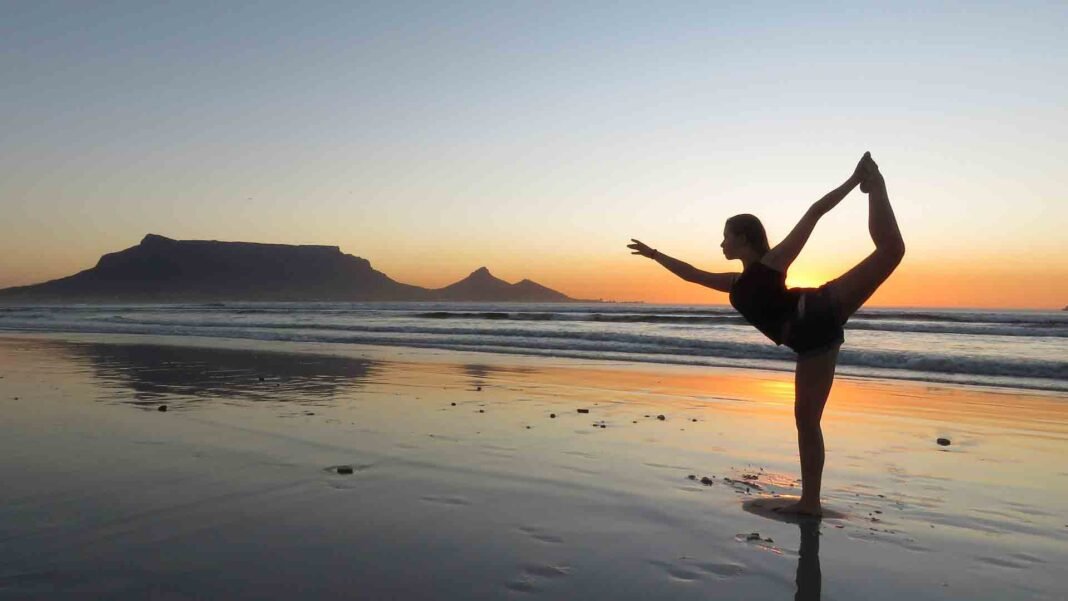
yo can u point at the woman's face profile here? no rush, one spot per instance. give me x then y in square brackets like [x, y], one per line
[731, 244]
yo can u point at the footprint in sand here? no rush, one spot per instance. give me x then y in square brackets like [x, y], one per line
[445, 500]
[528, 582]
[547, 571]
[540, 535]
[1017, 561]
[681, 468]
[548, 538]
[522, 586]
[723, 570]
[675, 571]
[579, 470]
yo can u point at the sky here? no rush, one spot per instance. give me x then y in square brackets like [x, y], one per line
[538, 138]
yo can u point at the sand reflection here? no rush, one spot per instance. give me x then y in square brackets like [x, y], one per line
[177, 374]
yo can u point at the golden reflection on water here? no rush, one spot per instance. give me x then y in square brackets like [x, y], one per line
[151, 372]
[880, 434]
[1007, 437]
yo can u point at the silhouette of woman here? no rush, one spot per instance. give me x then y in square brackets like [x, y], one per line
[808, 320]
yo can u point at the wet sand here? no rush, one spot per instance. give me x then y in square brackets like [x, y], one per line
[284, 470]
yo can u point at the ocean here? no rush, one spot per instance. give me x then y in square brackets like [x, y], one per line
[1006, 349]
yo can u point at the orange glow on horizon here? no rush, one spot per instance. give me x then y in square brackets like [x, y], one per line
[978, 284]
[948, 286]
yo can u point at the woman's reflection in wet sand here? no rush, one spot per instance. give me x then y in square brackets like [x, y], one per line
[809, 577]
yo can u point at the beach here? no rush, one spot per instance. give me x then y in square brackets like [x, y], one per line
[286, 469]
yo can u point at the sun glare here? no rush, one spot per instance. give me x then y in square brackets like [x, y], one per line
[804, 280]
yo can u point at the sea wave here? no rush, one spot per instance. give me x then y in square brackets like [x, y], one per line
[597, 344]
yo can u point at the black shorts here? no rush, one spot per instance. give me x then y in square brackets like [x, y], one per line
[816, 326]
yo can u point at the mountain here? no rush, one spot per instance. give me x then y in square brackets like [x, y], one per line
[483, 286]
[160, 269]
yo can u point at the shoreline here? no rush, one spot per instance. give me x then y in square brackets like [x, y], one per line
[505, 355]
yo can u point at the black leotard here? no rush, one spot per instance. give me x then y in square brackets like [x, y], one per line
[760, 295]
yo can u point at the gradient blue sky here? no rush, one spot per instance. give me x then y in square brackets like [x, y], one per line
[537, 138]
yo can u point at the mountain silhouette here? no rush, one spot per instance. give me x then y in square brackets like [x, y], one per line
[160, 269]
[482, 285]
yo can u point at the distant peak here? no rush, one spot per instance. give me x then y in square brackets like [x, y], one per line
[482, 271]
[150, 238]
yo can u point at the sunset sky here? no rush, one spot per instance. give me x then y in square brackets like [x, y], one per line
[538, 138]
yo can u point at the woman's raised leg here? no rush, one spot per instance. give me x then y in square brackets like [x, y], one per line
[854, 288]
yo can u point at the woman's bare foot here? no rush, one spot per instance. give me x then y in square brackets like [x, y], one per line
[872, 177]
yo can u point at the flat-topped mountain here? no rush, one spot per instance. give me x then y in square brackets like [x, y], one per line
[160, 269]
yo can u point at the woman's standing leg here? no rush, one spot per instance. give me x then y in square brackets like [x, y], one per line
[812, 386]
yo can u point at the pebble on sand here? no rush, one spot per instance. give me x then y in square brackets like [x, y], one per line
[344, 469]
[661, 417]
[162, 408]
[707, 481]
[943, 441]
[692, 477]
[478, 388]
[552, 415]
[453, 404]
[583, 410]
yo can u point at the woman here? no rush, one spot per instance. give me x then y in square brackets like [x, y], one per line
[808, 320]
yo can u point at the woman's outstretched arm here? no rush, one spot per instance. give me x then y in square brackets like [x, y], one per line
[716, 281]
[782, 256]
